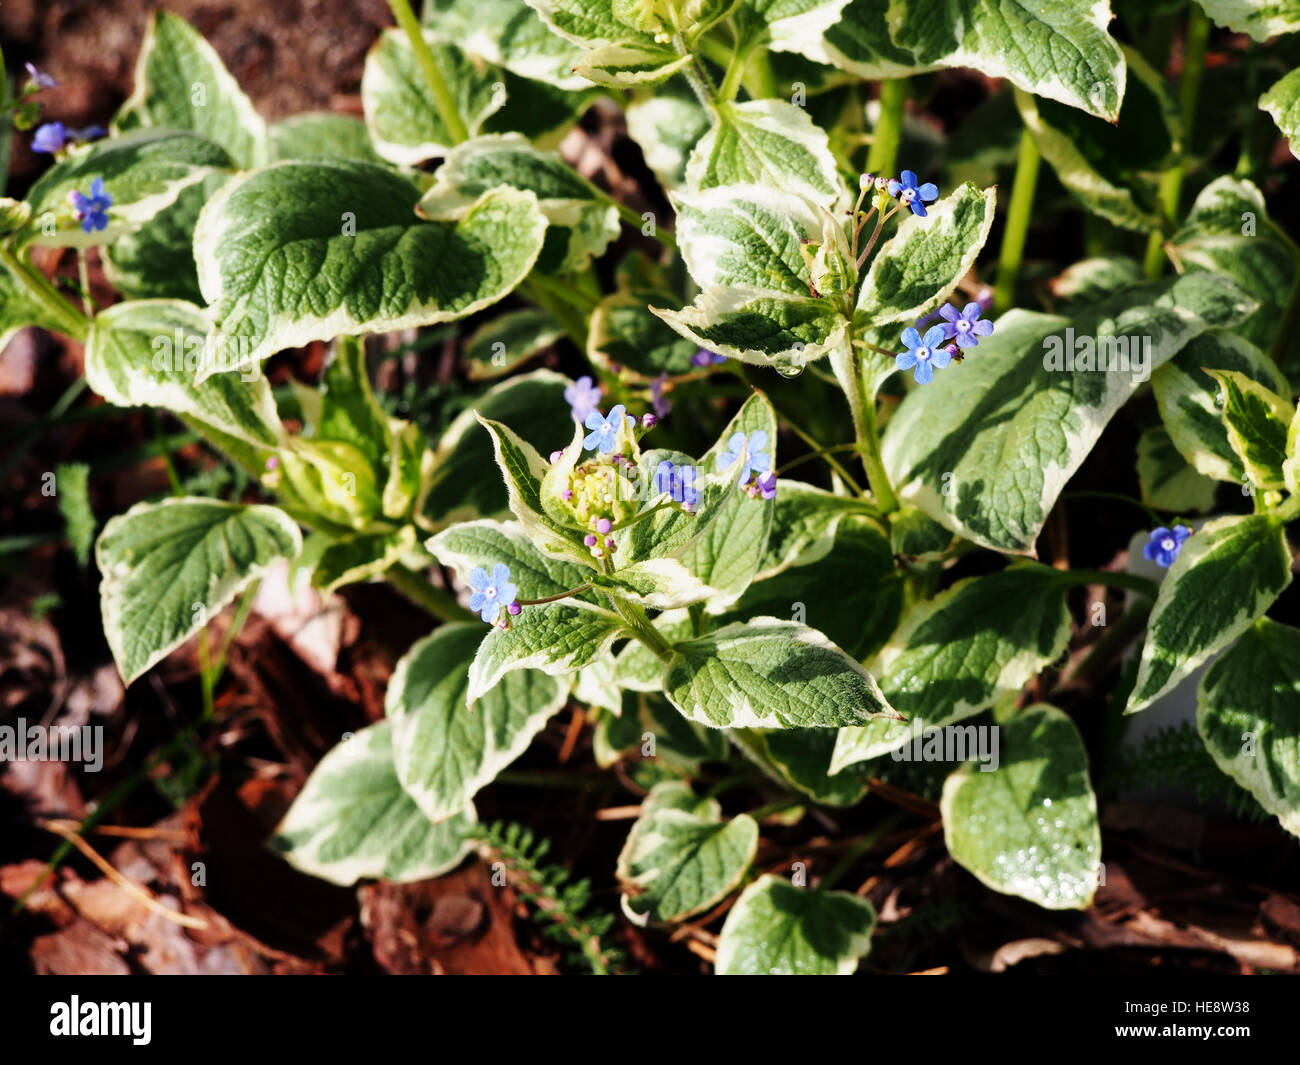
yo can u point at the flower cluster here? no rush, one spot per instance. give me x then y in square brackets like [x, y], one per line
[906, 189]
[493, 592]
[942, 343]
[91, 210]
[756, 475]
[1164, 544]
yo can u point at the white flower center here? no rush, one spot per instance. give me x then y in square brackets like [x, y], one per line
[922, 354]
[1168, 543]
[962, 325]
[491, 593]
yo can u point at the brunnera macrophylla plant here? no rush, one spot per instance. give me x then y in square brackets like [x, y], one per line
[673, 579]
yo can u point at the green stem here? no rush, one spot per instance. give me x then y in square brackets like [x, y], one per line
[776, 806]
[1129, 581]
[695, 76]
[633, 219]
[1018, 216]
[443, 99]
[1290, 323]
[564, 303]
[69, 319]
[860, 848]
[735, 68]
[1171, 182]
[862, 404]
[555, 598]
[760, 80]
[437, 601]
[888, 134]
[639, 623]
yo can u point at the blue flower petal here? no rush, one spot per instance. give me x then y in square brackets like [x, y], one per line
[905, 361]
[928, 191]
[500, 574]
[478, 578]
[924, 373]
[934, 336]
[911, 338]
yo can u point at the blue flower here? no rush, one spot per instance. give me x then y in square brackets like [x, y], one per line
[92, 210]
[924, 353]
[604, 431]
[1164, 545]
[583, 396]
[491, 593]
[967, 326]
[912, 195]
[661, 405]
[39, 80]
[707, 358]
[757, 461]
[50, 138]
[678, 482]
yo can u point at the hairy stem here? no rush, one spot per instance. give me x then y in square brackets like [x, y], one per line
[69, 319]
[443, 99]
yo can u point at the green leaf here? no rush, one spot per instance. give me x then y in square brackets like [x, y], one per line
[920, 267]
[1261, 19]
[667, 123]
[151, 353]
[747, 236]
[625, 333]
[503, 344]
[485, 543]
[508, 34]
[987, 447]
[361, 558]
[464, 483]
[800, 758]
[1282, 102]
[144, 172]
[1029, 827]
[168, 567]
[792, 25]
[444, 751]
[555, 638]
[583, 220]
[156, 261]
[1188, 399]
[1093, 280]
[971, 647]
[405, 124]
[681, 858]
[1247, 714]
[1055, 48]
[310, 251]
[760, 326]
[804, 521]
[915, 535]
[660, 583]
[1257, 420]
[18, 310]
[767, 143]
[727, 551]
[322, 135]
[769, 673]
[523, 469]
[778, 929]
[181, 83]
[622, 40]
[352, 820]
[1111, 167]
[853, 594]
[1168, 481]
[1224, 578]
[1229, 232]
